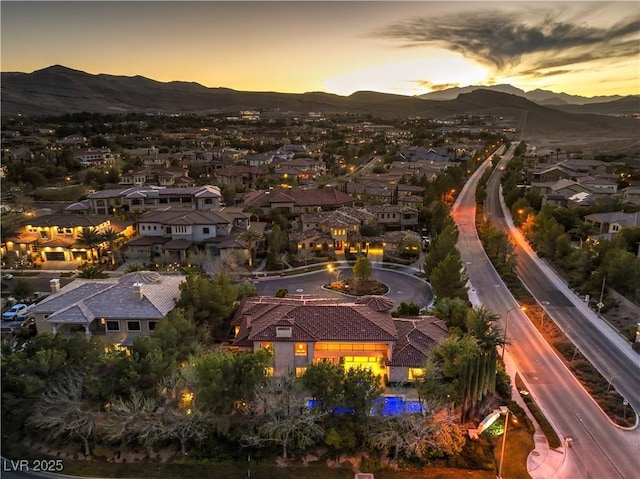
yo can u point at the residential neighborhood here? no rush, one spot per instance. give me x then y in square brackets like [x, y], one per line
[222, 267]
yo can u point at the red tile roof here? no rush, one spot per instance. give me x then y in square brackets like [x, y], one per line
[311, 320]
[416, 337]
[299, 197]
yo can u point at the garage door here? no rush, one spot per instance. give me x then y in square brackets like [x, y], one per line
[55, 255]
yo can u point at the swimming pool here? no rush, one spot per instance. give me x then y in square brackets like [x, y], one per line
[385, 405]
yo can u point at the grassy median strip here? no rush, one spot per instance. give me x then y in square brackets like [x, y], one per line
[549, 432]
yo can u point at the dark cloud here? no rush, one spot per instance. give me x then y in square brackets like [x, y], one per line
[502, 40]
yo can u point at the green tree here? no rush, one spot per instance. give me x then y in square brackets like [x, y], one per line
[453, 311]
[360, 390]
[23, 289]
[92, 271]
[246, 290]
[113, 239]
[323, 380]
[448, 278]
[251, 238]
[439, 218]
[208, 301]
[441, 247]
[362, 270]
[407, 309]
[178, 335]
[224, 380]
[91, 239]
[276, 241]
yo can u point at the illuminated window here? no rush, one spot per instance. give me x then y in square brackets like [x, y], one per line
[300, 372]
[301, 349]
[269, 371]
[266, 344]
[416, 373]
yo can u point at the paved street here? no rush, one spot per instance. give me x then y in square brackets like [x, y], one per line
[601, 450]
[402, 286]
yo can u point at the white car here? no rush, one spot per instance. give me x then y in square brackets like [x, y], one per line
[15, 312]
[7, 276]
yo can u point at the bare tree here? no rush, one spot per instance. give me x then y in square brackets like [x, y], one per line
[202, 259]
[139, 419]
[304, 255]
[131, 420]
[417, 436]
[62, 412]
[282, 417]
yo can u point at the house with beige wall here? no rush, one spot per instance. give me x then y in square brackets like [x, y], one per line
[119, 309]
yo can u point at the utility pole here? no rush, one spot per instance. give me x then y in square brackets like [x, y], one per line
[600, 303]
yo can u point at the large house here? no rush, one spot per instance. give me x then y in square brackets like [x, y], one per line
[305, 329]
[609, 224]
[94, 158]
[178, 231]
[165, 177]
[394, 217]
[297, 200]
[241, 176]
[55, 237]
[142, 198]
[335, 225]
[119, 308]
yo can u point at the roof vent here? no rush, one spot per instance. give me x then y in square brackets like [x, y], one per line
[283, 331]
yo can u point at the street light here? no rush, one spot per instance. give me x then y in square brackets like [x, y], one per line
[506, 325]
[330, 271]
[503, 410]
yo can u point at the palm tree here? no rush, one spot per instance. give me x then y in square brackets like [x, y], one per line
[251, 238]
[92, 271]
[90, 238]
[113, 238]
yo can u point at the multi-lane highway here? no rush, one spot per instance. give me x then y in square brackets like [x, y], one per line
[600, 449]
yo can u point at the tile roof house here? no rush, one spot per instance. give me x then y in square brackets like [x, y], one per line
[334, 224]
[118, 308]
[143, 198]
[177, 231]
[241, 176]
[394, 217]
[166, 177]
[55, 237]
[612, 222]
[297, 200]
[306, 329]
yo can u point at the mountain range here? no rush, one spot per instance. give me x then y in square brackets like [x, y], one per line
[541, 97]
[57, 89]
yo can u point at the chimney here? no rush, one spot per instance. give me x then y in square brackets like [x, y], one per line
[137, 291]
[54, 284]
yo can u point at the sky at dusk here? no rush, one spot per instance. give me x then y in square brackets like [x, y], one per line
[408, 48]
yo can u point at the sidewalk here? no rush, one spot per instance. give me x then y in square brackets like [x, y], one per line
[543, 462]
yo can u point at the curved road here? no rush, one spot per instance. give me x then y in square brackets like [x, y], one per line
[601, 450]
[402, 286]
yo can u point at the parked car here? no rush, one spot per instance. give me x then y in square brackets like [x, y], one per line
[7, 276]
[15, 311]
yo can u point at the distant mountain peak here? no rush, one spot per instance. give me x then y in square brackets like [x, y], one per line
[539, 96]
